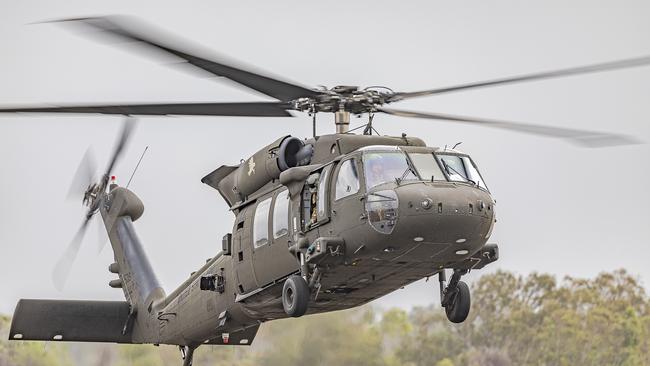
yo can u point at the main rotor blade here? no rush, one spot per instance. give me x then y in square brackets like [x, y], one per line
[580, 137]
[127, 128]
[64, 264]
[84, 175]
[607, 66]
[134, 30]
[253, 109]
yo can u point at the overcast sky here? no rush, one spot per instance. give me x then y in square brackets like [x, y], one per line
[561, 209]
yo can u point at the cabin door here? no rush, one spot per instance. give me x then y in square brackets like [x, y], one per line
[270, 244]
[242, 253]
[346, 193]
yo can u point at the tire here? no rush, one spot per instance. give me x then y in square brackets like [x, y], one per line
[295, 296]
[458, 309]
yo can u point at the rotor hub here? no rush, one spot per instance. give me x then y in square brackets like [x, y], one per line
[341, 99]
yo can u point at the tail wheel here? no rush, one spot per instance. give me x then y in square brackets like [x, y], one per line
[458, 308]
[295, 296]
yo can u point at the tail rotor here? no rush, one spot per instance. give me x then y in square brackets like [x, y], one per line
[93, 193]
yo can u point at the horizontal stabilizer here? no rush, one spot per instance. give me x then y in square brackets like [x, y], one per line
[70, 320]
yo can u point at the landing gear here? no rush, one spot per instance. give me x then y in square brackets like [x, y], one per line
[295, 296]
[455, 297]
[187, 354]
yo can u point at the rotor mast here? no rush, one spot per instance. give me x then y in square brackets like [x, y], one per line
[342, 121]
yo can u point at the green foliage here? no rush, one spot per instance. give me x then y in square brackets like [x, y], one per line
[515, 320]
[537, 321]
[351, 337]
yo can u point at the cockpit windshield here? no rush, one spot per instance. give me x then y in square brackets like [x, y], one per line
[383, 164]
[387, 166]
[460, 168]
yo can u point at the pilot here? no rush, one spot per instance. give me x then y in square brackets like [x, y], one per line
[376, 173]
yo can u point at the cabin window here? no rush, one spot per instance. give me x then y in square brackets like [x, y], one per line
[281, 214]
[347, 182]
[261, 223]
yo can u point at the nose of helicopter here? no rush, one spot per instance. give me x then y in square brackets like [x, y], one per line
[445, 222]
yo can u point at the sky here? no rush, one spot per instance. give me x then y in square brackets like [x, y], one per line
[561, 209]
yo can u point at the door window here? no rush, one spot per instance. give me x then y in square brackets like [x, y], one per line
[322, 193]
[261, 223]
[315, 200]
[281, 214]
[347, 181]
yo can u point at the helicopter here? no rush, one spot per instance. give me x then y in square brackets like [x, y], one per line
[321, 224]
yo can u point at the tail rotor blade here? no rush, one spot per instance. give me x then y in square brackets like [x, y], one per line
[127, 128]
[84, 175]
[64, 264]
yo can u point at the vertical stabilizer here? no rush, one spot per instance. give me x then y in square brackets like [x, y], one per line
[136, 276]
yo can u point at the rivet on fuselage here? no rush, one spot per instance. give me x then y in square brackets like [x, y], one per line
[462, 252]
[418, 239]
[461, 240]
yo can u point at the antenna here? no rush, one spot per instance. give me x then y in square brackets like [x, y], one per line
[137, 165]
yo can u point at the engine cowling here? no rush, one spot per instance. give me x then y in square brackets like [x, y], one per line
[267, 164]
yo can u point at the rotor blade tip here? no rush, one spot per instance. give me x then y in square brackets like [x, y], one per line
[604, 141]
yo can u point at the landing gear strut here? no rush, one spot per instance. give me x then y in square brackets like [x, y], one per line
[455, 296]
[187, 354]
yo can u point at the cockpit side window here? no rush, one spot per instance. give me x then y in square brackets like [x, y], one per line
[460, 168]
[347, 181]
[261, 223]
[473, 173]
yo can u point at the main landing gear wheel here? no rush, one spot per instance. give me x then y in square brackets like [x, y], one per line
[455, 297]
[295, 296]
[459, 303]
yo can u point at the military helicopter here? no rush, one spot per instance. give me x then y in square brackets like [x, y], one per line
[321, 224]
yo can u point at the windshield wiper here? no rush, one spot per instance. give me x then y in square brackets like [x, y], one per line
[409, 168]
[448, 167]
[386, 198]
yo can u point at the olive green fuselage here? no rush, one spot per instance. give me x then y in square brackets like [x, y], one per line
[432, 224]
